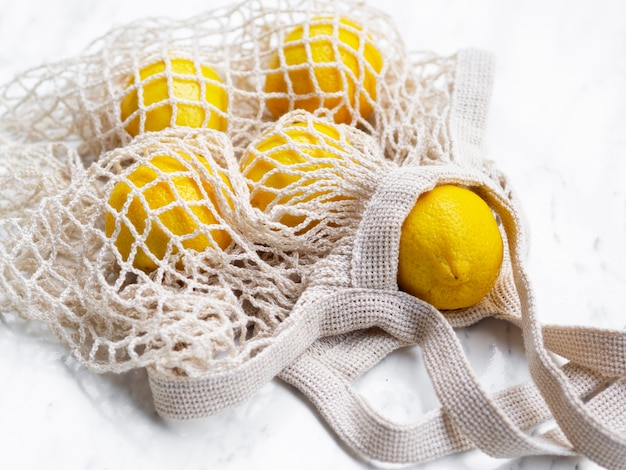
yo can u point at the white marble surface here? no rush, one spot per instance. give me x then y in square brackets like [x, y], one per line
[557, 127]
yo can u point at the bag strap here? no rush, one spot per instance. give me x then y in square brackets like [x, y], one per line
[327, 371]
[473, 83]
[494, 424]
[589, 432]
[199, 397]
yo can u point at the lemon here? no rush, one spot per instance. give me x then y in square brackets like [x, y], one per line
[193, 96]
[451, 248]
[280, 168]
[326, 64]
[167, 201]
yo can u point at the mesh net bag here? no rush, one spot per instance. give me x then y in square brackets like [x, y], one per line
[219, 200]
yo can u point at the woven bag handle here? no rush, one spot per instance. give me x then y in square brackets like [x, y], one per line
[469, 416]
[590, 427]
[588, 431]
[199, 397]
[327, 371]
[375, 301]
[473, 82]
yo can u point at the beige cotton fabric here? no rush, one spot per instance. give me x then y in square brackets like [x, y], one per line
[317, 307]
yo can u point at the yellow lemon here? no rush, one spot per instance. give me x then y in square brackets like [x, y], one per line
[284, 163]
[192, 96]
[451, 248]
[168, 201]
[326, 64]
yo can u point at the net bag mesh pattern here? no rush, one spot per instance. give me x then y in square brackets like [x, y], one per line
[68, 115]
[146, 247]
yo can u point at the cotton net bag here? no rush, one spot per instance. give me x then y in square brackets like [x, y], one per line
[215, 297]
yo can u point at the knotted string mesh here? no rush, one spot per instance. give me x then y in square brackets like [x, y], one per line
[142, 248]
